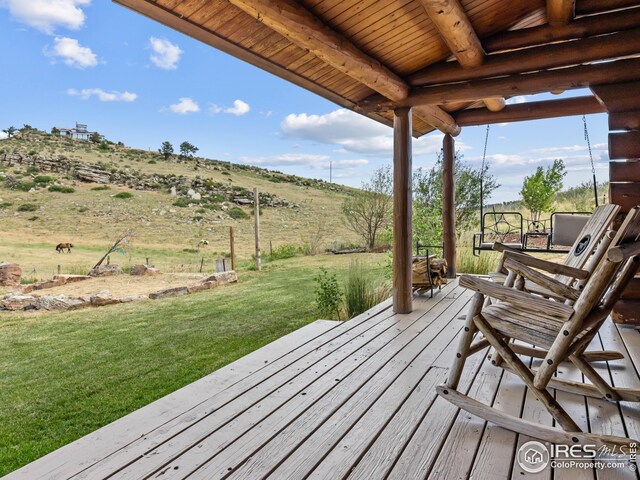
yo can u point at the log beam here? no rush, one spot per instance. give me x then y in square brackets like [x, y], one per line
[557, 55]
[570, 78]
[530, 111]
[402, 198]
[438, 118]
[589, 7]
[560, 12]
[456, 30]
[579, 28]
[449, 204]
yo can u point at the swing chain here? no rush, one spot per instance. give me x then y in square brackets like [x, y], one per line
[593, 167]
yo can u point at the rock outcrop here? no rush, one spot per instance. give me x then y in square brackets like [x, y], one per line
[10, 274]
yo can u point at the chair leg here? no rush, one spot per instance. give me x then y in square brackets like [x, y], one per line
[561, 416]
[595, 356]
[607, 390]
[466, 338]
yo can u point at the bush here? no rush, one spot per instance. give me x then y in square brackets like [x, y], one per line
[25, 186]
[43, 179]
[83, 209]
[237, 213]
[123, 195]
[152, 162]
[328, 294]
[288, 250]
[361, 291]
[198, 218]
[182, 202]
[4, 205]
[32, 170]
[61, 189]
[27, 207]
[33, 219]
[101, 188]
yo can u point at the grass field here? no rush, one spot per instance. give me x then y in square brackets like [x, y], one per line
[65, 375]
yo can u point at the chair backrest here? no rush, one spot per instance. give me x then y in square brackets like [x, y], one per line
[605, 273]
[594, 230]
[567, 228]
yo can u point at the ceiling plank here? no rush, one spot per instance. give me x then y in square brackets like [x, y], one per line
[560, 12]
[569, 78]
[301, 27]
[589, 7]
[556, 55]
[579, 28]
[456, 30]
[530, 111]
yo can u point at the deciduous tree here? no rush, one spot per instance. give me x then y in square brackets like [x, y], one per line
[539, 190]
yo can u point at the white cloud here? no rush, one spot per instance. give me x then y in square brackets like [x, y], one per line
[353, 133]
[72, 53]
[239, 108]
[184, 106]
[3, 135]
[103, 96]
[166, 55]
[46, 15]
[314, 161]
[517, 99]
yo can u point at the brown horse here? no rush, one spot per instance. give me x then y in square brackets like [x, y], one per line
[62, 246]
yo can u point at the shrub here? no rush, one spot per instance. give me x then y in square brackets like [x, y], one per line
[328, 294]
[4, 205]
[103, 147]
[101, 188]
[283, 252]
[198, 218]
[212, 206]
[32, 170]
[43, 179]
[123, 195]
[25, 186]
[237, 213]
[361, 291]
[152, 162]
[34, 218]
[27, 207]
[182, 202]
[83, 209]
[61, 189]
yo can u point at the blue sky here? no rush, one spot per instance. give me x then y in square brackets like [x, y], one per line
[139, 82]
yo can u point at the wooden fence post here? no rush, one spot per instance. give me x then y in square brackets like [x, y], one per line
[232, 243]
[256, 214]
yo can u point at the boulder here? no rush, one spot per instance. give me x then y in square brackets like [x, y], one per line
[10, 274]
[103, 298]
[19, 301]
[169, 292]
[106, 270]
[144, 270]
[61, 302]
[199, 287]
[71, 278]
[222, 278]
[134, 298]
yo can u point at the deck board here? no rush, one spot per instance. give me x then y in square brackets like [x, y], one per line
[346, 400]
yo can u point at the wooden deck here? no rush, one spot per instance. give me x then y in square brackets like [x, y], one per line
[344, 400]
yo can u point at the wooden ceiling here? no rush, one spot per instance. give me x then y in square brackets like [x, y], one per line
[439, 56]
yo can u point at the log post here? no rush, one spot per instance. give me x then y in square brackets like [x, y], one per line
[256, 214]
[232, 246]
[449, 204]
[402, 290]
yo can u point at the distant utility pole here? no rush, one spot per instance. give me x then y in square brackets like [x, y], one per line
[330, 171]
[256, 214]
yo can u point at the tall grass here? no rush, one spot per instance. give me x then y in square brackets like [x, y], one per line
[482, 265]
[362, 291]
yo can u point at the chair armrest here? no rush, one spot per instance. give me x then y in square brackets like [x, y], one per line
[501, 247]
[523, 300]
[541, 279]
[555, 268]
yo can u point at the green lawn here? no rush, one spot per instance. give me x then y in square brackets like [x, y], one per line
[65, 375]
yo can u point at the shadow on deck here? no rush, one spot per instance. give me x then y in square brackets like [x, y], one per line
[344, 400]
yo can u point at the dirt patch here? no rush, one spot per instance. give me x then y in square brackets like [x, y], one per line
[125, 285]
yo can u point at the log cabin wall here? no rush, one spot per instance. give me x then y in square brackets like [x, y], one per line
[622, 101]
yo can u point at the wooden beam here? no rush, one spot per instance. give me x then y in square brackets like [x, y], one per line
[524, 84]
[402, 202]
[624, 120]
[438, 118]
[564, 54]
[449, 204]
[579, 28]
[560, 12]
[619, 97]
[530, 111]
[456, 30]
[624, 145]
[589, 7]
[625, 194]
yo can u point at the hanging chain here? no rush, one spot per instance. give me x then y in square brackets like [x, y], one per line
[586, 137]
[484, 153]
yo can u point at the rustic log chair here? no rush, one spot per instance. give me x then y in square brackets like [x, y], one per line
[563, 330]
[584, 256]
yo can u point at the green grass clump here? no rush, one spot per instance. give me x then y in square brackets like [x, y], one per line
[25, 186]
[27, 207]
[101, 188]
[4, 205]
[482, 265]
[362, 291]
[283, 252]
[182, 202]
[237, 213]
[123, 195]
[43, 179]
[61, 189]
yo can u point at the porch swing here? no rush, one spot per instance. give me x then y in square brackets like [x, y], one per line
[555, 234]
